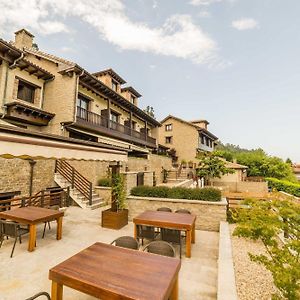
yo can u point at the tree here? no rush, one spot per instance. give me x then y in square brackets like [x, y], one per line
[264, 220]
[211, 166]
[150, 111]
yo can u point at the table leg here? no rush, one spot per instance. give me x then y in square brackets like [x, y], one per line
[194, 233]
[59, 228]
[32, 237]
[188, 243]
[56, 291]
[134, 230]
[174, 293]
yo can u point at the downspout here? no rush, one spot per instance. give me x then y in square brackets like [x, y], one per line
[31, 163]
[5, 84]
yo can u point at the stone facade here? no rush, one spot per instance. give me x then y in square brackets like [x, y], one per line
[15, 175]
[209, 214]
[243, 187]
[131, 179]
[104, 193]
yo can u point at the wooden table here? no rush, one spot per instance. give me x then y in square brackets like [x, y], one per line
[109, 272]
[162, 219]
[31, 215]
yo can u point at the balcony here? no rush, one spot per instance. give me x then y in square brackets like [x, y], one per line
[99, 124]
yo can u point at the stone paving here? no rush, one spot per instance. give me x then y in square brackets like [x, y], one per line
[27, 273]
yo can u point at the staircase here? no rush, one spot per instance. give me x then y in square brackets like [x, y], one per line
[81, 189]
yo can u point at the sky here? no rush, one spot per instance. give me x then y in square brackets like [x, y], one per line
[234, 63]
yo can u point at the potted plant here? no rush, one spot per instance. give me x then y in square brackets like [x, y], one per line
[116, 216]
[191, 164]
[183, 163]
[165, 175]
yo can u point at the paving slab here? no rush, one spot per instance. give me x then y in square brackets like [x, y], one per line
[27, 272]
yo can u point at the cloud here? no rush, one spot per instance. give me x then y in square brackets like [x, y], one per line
[204, 14]
[178, 36]
[245, 24]
[203, 2]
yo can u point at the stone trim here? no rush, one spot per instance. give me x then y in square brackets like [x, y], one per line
[226, 276]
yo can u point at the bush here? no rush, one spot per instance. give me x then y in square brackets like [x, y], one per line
[104, 182]
[205, 194]
[285, 186]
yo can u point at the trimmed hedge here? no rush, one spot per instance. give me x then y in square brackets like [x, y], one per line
[204, 194]
[104, 182]
[284, 185]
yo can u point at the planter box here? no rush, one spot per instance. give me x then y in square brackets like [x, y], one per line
[114, 219]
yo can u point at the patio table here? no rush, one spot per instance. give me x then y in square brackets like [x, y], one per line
[109, 272]
[162, 219]
[32, 215]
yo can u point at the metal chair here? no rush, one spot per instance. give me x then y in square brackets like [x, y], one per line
[55, 207]
[164, 209]
[126, 242]
[161, 248]
[38, 295]
[172, 236]
[13, 230]
[183, 211]
[145, 232]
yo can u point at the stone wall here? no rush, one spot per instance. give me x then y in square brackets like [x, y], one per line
[131, 180]
[243, 187]
[91, 170]
[15, 175]
[154, 163]
[104, 192]
[209, 214]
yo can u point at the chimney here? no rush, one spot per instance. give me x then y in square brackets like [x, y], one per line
[23, 38]
[201, 123]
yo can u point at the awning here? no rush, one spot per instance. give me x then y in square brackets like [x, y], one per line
[20, 143]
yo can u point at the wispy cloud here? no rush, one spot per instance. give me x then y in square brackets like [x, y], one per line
[203, 2]
[204, 14]
[245, 24]
[178, 36]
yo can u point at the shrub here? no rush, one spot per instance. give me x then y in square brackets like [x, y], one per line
[104, 182]
[285, 186]
[205, 194]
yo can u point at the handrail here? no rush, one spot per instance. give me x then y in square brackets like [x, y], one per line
[78, 181]
[99, 120]
[43, 198]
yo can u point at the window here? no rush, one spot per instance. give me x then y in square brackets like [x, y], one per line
[169, 139]
[82, 107]
[26, 91]
[207, 141]
[132, 99]
[114, 85]
[202, 139]
[168, 127]
[114, 117]
[133, 125]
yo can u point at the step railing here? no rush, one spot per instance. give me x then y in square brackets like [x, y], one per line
[79, 182]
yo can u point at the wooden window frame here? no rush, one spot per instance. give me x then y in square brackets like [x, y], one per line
[27, 84]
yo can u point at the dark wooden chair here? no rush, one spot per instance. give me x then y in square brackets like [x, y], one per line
[126, 242]
[39, 295]
[13, 230]
[161, 248]
[183, 211]
[145, 232]
[172, 236]
[164, 209]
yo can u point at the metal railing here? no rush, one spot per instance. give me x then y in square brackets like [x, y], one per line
[100, 121]
[84, 186]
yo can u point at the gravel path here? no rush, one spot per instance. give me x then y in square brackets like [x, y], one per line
[253, 281]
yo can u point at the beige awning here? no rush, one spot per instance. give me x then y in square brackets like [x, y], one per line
[16, 143]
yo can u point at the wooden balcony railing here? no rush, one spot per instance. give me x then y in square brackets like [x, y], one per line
[102, 122]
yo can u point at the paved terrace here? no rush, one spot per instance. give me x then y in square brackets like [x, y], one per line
[27, 273]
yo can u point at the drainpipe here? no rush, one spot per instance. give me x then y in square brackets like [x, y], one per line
[16, 60]
[31, 163]
[76, 93]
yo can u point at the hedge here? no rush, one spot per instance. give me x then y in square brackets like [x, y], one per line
[204, 194]
[104, 182]
[285, 186]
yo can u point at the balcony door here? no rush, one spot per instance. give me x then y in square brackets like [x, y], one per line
[82, 107]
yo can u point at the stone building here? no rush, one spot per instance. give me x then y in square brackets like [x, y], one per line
[52, 108]
[187, 138]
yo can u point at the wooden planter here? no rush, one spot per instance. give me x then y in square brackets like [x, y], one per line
[114, 219]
